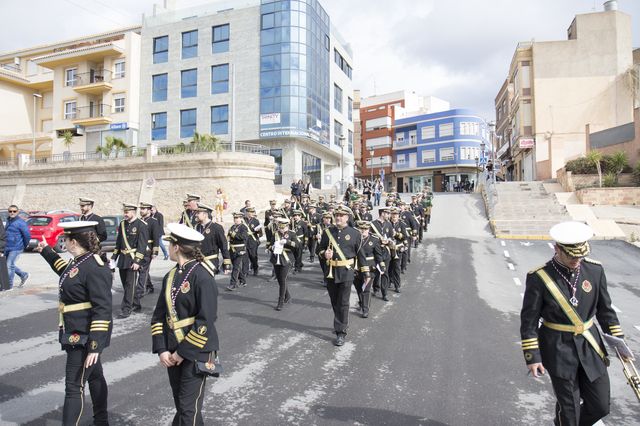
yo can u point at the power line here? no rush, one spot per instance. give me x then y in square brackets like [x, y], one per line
[93, 12]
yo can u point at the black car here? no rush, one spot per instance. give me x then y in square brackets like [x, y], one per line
[111, 222]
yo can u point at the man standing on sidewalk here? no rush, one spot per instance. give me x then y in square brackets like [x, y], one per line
[17, 233]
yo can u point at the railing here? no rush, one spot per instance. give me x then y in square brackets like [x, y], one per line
[97, 76]
[66, 157]
[92, 111]
[12, 68]
[248, 148]
[8, 162]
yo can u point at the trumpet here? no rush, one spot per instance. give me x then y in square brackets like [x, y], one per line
[330, 274]
[631, 374]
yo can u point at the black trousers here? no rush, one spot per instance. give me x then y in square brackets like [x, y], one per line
[364, 294]
[421, 232]
[298, 258]
[4, 273]
[75, 379]
[405, 257]
[596, 396]
[339, 294]
[188, 393]
[148, 283]
[311, 245]
[281, 272]
[394, 271]
[141, 283]
[238, 274]
[129, 279]
[251, 260]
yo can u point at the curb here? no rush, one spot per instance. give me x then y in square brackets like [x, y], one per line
[523, 237]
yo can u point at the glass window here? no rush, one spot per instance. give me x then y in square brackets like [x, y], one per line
[428, 132]
[429, 156]
[446, 154]
[70, 110]
[118, 69]
[268, 21]
[219, 79]
[159, 89]
[337, 97]
[70, 76]
[160, 49]
[220, 38]
[159, 126]
[446, 129]
[189, 83]
[220, 119]
[337, 132]
[118, 103]
[187, 123]
[350, 142]
[350, 109]
[190, 44]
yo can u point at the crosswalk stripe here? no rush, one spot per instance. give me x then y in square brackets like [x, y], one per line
[511, 267]
[503, 244]
[37, 402]
[550, 245]
[615, 308]
[637, 327]
[517, 281]
[506, 254]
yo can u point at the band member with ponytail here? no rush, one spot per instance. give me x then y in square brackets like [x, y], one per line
[283, 247]
[183, 323]
[85, 320]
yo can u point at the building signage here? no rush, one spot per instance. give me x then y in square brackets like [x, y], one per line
[290, 132]
[503, 149]
[526, 143]
[272, 118]
[118, 126]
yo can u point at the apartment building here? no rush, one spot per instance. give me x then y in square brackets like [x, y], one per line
[555, 89]
[88, 86]
[273, 72]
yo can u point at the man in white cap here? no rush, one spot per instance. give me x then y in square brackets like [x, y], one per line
[567, 294]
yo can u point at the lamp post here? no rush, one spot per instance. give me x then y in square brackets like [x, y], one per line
[371, 154]
[33, 142]
[476, 171]
[342, 139]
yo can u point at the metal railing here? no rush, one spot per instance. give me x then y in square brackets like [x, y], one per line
[92, 111]
[12, 68]
[67, 157]
[97, 76]
[244, 147]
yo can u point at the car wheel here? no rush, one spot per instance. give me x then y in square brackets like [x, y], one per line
[60, 246]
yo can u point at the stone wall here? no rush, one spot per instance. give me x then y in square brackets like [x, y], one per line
[163, 180]
[571, 182]
[609, 196]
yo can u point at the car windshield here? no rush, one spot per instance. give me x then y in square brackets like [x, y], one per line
[39, 221]
[110, 222]
[68, 219]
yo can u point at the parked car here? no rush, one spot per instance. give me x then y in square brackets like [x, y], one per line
[111, 222]
[4, 214]
[46, 225]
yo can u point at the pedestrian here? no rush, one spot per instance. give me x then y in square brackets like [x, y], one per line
[220, 205]
[85, 318]
[399, 246]
[237, 236]
[144, 285]
[566, 295]
[301, 230]
[282, 247]
[382, 230]
[129, 255]
[370, 258]
[247, 205]
[160, 218]
[86, 208]
[215, 242]
[313, 226]
[18, 237]
[183, 327]
[4, 272]
[254, 230]
[189, 213]
[339, 246]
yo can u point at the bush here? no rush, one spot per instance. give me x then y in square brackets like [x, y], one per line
[609, 164]
[581, 166]
[636, 174]
[610, 180]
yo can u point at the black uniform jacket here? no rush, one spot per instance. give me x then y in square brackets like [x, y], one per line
[214, 241]
[254, 231]
[137, 236]
[188, 218]
[301, 229]
[562, 352]
[363, 216]
[101, 228]
[84, 279]
[349, 241]
[155, 233]
[400, 234]
[193, 293]
[313, 225]
[371, 254]
[291, 245]
[411, 222]
[237, 237]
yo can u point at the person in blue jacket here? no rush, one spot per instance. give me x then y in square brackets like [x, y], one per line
[17, 239]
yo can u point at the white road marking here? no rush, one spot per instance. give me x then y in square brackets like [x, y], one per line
[637, 327]
[615, 308]
[517, 281]
[526, 243]
[37, 402]
[550, 245]
[510, 265]
[522, 295]
[506, 253]
[503, 243]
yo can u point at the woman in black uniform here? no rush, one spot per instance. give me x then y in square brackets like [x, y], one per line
[85, 320]
[183, 324]
[282, 257]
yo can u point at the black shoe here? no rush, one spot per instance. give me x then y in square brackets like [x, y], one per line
[231, 287]
[244, 284]
[124, 315]
[365, 314]
[280, 305]
[149, 290]
[166, 258]
[402, 272]
[136, 309]
[255, 272]
[376, 292]
[311, 259]
[385, 298]
[397, 290]
[287, 298]
[339, 340]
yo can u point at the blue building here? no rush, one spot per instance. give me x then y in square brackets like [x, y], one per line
[437, 150]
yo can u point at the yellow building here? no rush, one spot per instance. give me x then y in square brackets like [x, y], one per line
[89, 86]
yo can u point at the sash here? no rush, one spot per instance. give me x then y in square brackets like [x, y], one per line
[126, 242]
[249, 230]
[336, 247]
[186, 219]
[173, 316]
[570, 312]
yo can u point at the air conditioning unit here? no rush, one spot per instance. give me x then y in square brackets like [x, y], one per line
[80, 130]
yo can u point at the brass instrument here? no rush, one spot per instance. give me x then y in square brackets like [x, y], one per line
[631, 374]
[330, 274]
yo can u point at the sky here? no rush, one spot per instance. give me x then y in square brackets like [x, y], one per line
[457, 50]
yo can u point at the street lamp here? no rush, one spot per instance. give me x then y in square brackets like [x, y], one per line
[371, 154]
[477, 170]
[33, 144]
[342, 139]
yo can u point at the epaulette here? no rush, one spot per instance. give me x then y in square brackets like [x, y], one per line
[589, 260]
[98, 259]
[534, 270]
[209, 270]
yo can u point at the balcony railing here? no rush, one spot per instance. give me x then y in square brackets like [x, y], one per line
[248, 148]
[97, 76]
[12, 68]
[92, 111]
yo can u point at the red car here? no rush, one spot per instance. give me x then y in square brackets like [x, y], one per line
[46, 225]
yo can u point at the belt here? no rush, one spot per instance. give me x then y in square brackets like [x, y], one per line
[237, 245]
[370, 258]
[63, 309]
[179, 324]
[211, 257]
[575, 329]
[335, 263]
[128, 251]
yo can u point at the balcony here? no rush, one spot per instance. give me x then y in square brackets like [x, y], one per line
[404, 143]
[86, 51]
[92, 115]
[95, 82]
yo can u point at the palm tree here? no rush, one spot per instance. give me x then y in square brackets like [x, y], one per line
[205, 142]
[111, 144]
[67, 139]
[619, 161]
[595, 157]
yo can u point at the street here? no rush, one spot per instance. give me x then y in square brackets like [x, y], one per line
[446, 351]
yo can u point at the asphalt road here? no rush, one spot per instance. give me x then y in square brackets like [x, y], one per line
[443, 352]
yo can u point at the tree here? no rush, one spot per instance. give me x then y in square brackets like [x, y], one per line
[67, 139]
[594, 157]
[619, 162]
[205, 142]
[111, 144]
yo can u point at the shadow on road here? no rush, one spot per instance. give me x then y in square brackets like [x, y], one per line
[279, 324]
[371, 416]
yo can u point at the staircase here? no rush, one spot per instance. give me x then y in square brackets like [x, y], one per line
[522, 210]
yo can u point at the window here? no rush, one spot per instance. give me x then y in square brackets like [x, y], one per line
[189, 83]
[219, 79]
[190, 44]
[378, 123]
[187, 122]
[70, 110]
[118, 103]
[400, 138]
[469, 128]
[220, 38]
[159, 126]
[380, 142]
[337, 97]
[159, 89]
[70, 76]
[401, 159]
[342, 63]
[118, 69]
[446, 129]
[220, 119]
[160, 49]
[446, 154]
[268, 21]
[337, 132]
[350, 140]
[412, 137]
[429, 156]
[350, 109]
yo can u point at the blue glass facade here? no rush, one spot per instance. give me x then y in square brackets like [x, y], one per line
[294, 70]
